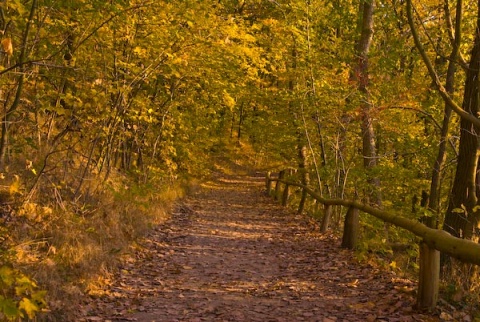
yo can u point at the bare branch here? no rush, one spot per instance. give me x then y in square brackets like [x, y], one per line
[433, 74]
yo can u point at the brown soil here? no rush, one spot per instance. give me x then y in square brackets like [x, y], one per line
[229, 253]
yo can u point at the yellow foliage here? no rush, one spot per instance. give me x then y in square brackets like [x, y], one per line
[15, 186]
[7, 46]
[35, 212]
[228, 100]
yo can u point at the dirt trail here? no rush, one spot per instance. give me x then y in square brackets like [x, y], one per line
[229, 253]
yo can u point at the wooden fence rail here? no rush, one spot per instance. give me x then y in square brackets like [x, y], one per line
[433, 241]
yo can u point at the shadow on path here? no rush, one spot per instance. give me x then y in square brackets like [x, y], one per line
[230, 254]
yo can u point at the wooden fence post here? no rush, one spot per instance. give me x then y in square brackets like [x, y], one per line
[281, 175]
[350, 229]
[305, 176]
[301, 205]
[327, 215]
[268, 183]
[285, 195]
[429, 273]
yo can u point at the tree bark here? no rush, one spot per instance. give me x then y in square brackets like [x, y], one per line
[21, 78]
[305, 176]
[433, 203]
[464, 190]
[361, 76]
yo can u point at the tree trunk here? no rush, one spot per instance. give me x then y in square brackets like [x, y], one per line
[361, 76]
[21, 78]
[464, 190]
[305, 176]
[240, 123]
[323, 153]
[433, 203]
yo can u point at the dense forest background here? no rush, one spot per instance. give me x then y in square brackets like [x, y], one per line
[111, 108]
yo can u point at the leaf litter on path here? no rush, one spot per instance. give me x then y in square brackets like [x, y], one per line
[229, 253]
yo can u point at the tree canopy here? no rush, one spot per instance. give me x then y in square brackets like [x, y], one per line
[152, 90]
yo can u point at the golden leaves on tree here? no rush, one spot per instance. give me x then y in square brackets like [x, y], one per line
[7, 46]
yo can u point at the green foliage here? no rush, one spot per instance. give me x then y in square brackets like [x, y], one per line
[20, 296]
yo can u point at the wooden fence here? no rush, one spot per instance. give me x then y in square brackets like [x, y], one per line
[433, 241]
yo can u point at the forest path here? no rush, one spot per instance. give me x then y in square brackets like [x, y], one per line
[229, 253]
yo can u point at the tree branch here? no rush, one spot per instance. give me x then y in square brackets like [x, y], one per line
[433, 74]
[428, 115]
[454, 32]
[113, 16]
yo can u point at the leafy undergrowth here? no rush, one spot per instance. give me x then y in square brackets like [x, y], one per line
[61, 240]
[19, 295]
[55, 251]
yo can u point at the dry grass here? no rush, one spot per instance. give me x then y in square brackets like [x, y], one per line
[461, 286]
[72, 248]
[68, 231]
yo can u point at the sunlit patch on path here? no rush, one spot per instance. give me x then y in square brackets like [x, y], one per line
[230, 254]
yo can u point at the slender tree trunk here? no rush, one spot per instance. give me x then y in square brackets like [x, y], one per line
[21, 78]
[303, 154]
[323, 153]
[340, 164]
[464, 190]
[361, 76]
[232, 127]
[433, 203]
[303, 171]
[240, 123]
